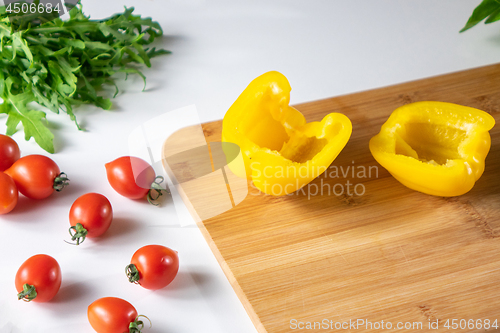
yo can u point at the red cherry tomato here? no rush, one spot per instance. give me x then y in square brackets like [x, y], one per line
[8, 193]
[90, 216]
[38, 279]
[113, 315]
[153, 266]
[130, 176]
[9, 152]
[37, 176]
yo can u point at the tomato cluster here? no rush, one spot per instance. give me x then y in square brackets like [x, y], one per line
[39, 278]
[35, 176]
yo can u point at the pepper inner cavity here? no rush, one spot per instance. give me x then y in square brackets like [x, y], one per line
[430, 143]
[261, 128]
[301, 148]
[266, 132]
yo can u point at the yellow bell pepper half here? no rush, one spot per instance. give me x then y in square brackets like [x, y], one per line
[434, 147]
[281, 152]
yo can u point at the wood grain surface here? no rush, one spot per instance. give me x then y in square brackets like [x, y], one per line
[391, 254]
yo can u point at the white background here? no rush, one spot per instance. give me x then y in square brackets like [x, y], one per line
[325, 48]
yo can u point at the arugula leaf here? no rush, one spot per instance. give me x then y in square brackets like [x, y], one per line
[32, 120]
[62, 64]
[487, 9]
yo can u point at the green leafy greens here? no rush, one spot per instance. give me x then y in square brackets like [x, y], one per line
[61, 64]
[489, 9]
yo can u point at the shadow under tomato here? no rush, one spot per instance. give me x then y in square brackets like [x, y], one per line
[184, 281]
[26, 205]
[120, 227]
[70, 291]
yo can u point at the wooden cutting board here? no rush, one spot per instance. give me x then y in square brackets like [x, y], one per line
[391, 254]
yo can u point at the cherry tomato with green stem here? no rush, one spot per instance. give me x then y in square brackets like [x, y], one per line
[134, 178]
[114, 315]
[9, 152]
[38, 279]
[37, 176]
[153, 266]
[89, 216]
[8, 193]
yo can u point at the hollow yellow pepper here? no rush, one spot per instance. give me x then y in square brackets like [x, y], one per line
[434, 147]
[281, 152]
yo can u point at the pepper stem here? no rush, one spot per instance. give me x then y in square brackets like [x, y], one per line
[156, 191]
[132, 274]
[61, 182]
[28, 294]
[137, 325]
[79, 235]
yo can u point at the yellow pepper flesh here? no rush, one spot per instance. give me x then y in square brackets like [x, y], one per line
[434, 147]
[281, 152]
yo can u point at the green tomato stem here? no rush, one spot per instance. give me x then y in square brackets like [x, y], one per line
[156, 191]
[132, 273]
[137, 325]
[79, 235]
[61, 182]
[28, 294]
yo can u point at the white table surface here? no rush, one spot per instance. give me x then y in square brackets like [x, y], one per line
[325, 48]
